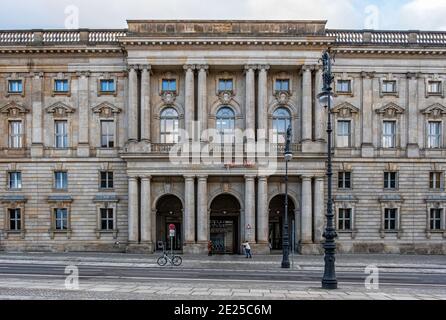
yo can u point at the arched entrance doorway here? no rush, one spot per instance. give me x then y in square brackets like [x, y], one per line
[276, 210]
[169, 210]
[224, 224]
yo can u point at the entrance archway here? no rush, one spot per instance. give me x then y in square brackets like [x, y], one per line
[169, 210]
[224, 224]
[276, 210]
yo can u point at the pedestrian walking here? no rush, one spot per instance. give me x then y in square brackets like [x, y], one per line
[210, 248]
[247, 249]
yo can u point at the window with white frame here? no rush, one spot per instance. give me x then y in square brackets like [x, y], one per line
[107, 219]
[434, 87]
[282, 85]
[344, 219]
[60, 180]
[281, 122]
[61, 134]
[344, 86]
[226, 124]
[390, 219]
[389, 134]
[435, 218]
[107, 134]
[344, 180]
[434, 134]
[343, 135]
[15, 180]
[15, 134]
[107, 85]
[390, 180]
[15, 219]
[61, 85]
[61, 219]
[15, 86]
[106, 179]
[169, 125]
[168, 85]
[388, 86]
[435, 180]
[225, 85]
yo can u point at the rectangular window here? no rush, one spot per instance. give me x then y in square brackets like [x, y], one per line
[435, 180]
[61, 134]
[107, 221]
[15, 86]
[169, 85]
[15, 180]
[15, 134]
[345, 219]
[61, 180]
[389, 134]
[390, 219]
[344, 86]
[343, 134]
[435, 218]
[225, 85]
[390, 180]
[434, 134]
[389, 86]
[434, 87]
[106, 180]
[107, 85]
[344, 180]
[282, 85]
[61, 85]
[15, 219]
[107, 134]
[61, 219]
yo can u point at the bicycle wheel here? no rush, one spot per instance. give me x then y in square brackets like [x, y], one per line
[162, 261]
[177, 261]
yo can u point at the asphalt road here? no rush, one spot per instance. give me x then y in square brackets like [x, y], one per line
[191, 274]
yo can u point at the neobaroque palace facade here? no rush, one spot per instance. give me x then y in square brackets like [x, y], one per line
[88, 118]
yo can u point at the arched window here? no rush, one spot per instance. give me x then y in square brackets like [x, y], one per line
[281, 122]
[169, 126]
[226, 124]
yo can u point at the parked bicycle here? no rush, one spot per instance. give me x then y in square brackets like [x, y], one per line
[173, 259]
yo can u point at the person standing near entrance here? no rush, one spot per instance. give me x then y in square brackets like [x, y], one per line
[247, 249]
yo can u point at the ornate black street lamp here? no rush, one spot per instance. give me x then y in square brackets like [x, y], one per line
[326, 99]
[285, 235]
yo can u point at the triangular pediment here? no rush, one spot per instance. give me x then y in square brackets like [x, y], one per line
[60, 108]
[435, 110]
[106, 109]
[391, 109]
[345, 109]
[13, 108]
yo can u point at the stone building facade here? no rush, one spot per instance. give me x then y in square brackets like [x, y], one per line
[88, 119]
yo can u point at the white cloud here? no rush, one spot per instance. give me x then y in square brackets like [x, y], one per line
[424, 15]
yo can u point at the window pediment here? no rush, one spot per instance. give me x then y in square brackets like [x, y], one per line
[60, 109]
[13, 109]
[435, 111]
[345, 110]
[106, 109]
[390, 110]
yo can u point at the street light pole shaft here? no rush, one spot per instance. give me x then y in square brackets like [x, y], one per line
[286, 241]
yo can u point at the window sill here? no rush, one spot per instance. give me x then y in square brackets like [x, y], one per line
[107, 93]
[107, 190]
[8, 233]
[434, 94]
[351, 232]
[53, 232]
[430, 232]
[389, 94]
[384, 232]
[61, 93]
[15, 94]
[343, 93]
[100, 232]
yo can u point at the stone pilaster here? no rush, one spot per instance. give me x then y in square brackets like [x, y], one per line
[320, 112]
[189, 100]
[132, 116]
[133, 210]
[145, 104]
[262, 215]
[250, 100]
[83, 149]
[413, 149]
[318, 209]
[367, 114]
[146, 213]
[262, 111]
[202, 209]
[307, 113]
[250, 218]
[306, 213]
[37, 119]
[202, 101]
[189, 212]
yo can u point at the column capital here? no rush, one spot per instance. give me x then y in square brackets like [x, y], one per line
[263, 178]
[369, 75]
[250, 67]
[189, 67]
[189, 177]
[36, 75]
[132, 177]
[132, 67]
[306, 177]
[202, 67]
[83, 74]
[413, 75]
[249, 177]
[146, 178]
[307, 67]
[320, 178]
[202, 177]
[145, 67]
[263, 67]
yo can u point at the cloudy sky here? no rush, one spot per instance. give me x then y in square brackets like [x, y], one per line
[358, 14]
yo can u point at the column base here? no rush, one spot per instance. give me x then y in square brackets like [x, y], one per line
[413, 150]
[195, 248]
[260, 248]
[83, 150]
[37, 150]
[147, 247]
[311, 249]
[367, 150]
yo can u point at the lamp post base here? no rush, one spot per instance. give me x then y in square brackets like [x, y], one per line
[329, 284]
[285, 264]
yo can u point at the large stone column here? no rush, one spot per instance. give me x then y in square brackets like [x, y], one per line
[133, 210]
[250, 99]
[306, 214]
[37, 119]
[202, 209]
[250, 218]
[145, 104]
[262, 214]
[320, 114]
[367, 114]
[202, 101]
[189, 101]
[318, 209]
[83, 148]
[413, 149]
[189, 213]
[307, 117]
[132, 116]
[262, 111]
[146, 213]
